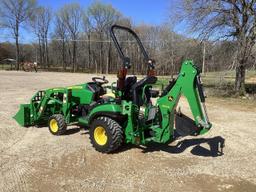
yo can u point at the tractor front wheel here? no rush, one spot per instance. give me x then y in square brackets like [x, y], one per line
[57, 124]
[106, 135]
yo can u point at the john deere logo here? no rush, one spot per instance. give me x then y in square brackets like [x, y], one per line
[170, 98]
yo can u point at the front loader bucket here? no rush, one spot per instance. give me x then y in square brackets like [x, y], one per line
[22, 117]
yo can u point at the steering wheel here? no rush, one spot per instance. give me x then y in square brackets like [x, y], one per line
[100, 80]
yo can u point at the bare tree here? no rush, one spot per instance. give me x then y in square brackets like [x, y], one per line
[13, 13]
[61, 34]
[71, 15]
[40, 23]
[101, 17]
[87, 29]
[226, 19]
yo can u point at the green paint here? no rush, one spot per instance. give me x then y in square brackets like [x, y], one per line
[137, 131]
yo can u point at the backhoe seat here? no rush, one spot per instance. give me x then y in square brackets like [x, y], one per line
[137, 89]
[129, 82]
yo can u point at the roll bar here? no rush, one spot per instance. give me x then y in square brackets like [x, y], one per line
[126, 60]
[121, 75]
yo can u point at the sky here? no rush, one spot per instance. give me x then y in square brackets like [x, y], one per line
[141, 11]
[153, 12]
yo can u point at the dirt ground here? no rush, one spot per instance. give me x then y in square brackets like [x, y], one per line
[31, 159]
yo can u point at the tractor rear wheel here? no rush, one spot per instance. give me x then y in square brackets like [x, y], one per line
[106, 134]
[57, 124]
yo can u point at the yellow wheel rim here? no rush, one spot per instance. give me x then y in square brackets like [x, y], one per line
[100, 135]
[54, 126]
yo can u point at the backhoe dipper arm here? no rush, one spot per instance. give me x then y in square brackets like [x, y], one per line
[187, 84]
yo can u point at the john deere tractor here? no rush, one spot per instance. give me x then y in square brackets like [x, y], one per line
[124, 115]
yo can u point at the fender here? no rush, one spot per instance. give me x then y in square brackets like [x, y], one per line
[112, 111]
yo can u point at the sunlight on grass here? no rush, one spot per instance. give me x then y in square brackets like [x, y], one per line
[221, 84]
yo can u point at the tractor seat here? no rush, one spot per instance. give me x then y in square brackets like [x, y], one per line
[129, 82]
[137, 89]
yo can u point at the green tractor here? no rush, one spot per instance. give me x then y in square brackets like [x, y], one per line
[126, 114]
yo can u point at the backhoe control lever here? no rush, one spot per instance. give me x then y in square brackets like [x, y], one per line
[200, 89]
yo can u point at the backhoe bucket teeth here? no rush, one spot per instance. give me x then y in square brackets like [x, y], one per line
[22, 117]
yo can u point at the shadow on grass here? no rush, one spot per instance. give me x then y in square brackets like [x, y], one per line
[250, 88]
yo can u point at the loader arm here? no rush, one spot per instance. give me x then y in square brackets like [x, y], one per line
[187, 84]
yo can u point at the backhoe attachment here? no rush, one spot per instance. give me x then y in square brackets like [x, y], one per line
[189, 85]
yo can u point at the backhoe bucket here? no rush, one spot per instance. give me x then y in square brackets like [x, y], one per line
[22, 117]
[184, 125]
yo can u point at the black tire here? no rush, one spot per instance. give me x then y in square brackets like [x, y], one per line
[112, 131]
[57, 124]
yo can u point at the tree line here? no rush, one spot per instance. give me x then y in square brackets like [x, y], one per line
[75, 38]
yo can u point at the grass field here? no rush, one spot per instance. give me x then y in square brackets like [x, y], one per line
[221, 84]
[5, 67]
